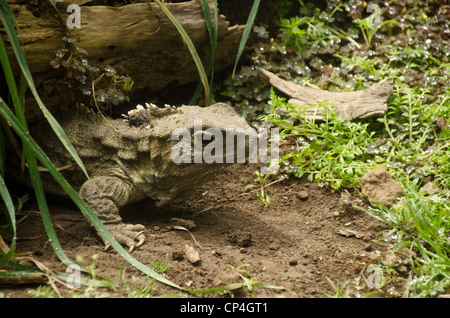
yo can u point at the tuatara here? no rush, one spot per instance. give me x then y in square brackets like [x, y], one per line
[131, 159]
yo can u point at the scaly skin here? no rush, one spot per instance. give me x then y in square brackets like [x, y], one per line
[128, 161]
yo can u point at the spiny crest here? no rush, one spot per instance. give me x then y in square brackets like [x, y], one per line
[142, 116]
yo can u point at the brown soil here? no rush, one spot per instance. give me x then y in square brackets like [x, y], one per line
[296, 243]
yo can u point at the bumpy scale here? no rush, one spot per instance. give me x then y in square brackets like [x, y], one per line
[129, 160]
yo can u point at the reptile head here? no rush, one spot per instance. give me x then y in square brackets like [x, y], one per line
[194, 135]
[190, 144]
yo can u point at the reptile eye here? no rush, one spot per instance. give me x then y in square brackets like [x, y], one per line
[202, 138]
[208, 139]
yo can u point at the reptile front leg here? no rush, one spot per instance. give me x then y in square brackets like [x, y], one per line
[105, 196]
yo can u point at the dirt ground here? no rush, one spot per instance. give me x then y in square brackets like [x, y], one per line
[296, 243]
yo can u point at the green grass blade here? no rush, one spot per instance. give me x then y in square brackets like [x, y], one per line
[192, 50]
[43, 207]
[19, 274]
[20, 270]
[420, 215]
[2, 152]
[31, 160]
[207, 15]
[246, 34]
[6, 113]
[10, 81]
[212, 31]
[4, 194]
[9, 25]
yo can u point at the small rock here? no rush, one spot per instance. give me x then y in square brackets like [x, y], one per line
[378, 185]
[430, 188]
[302, 195]
[187, 224]
[441, 123]
[350, 233]
[191, 254]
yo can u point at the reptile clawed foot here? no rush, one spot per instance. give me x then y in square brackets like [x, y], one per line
[130, 235]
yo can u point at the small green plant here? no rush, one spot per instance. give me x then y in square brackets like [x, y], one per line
[262, 193]
[42, 291]
[306, 34]
[136, 288]
[90, 267]
[370, 25]
[411, 140]
[161, 265]
[246, 277]
[344, 291]
[313, 34]
[102, 86]
[338, 288]
[249, 281]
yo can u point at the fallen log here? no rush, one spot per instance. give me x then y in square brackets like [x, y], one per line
[135, 39]
[348, 105]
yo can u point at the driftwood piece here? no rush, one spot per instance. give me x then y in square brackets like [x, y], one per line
[135, 39]
[348, 105]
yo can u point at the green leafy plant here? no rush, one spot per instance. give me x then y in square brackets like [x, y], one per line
[342, 290]
[331, 151]
[313, 34]
[161, 265]
[370, 25]
[103, 85]
[262, 193]
[137, 288]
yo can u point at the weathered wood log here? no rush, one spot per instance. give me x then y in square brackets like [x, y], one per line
[348, 105]
[135, 39]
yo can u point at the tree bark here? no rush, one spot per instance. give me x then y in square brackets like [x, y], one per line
[135, 39]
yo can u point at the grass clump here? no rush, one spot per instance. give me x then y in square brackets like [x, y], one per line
[421, 224]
